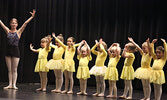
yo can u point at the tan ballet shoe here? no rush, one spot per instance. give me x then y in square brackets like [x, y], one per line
[16, 88]
[53, 91]
[69, 92]
[101, 95]
[85, 93]
[129, 98]
[39, 89]
[95, 94]
[43, 90]
[79, 93]
[64, 92]
[8, 87]
[58, 91]
[109, 96]
[122, 97]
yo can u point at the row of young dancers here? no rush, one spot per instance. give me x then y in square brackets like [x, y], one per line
[100, 71]
[154, 74]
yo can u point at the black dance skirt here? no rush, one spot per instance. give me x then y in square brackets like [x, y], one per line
[13, 51]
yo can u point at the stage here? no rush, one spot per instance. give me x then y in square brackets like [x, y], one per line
[28, 92]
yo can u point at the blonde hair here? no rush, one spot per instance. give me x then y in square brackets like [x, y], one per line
[13, 20]
[84, 47]
[44, 40]
[104, 45]
[116, 48]
[145, 44]
[60, 37]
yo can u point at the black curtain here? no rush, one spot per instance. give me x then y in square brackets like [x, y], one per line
[112, 20]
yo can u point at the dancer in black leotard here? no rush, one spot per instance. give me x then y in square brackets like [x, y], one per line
[12, 53]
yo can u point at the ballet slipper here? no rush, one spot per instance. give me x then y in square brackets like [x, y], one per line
[85, 93]
[95, 94]
[109, 96]
[64, 92]
[8, 87]
[69, 92]
[53, 91]
[122, 97]
[143, 98]
[43, 90]
[39, 89]
[147, 99]
[15, 88]
[58, 91]
[129, 98]
[79, 93]
[101, 95]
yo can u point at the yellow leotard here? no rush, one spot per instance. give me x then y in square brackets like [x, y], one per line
[157, 74]
[128, 71]
[83, 69]
[144, 72]
[112, 72]
[69, 64]
[57, 62]
[42, 60]
[99, 68]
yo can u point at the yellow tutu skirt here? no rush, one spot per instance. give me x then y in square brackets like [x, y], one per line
[157, 76]
[111, 74]
[69, 65]
[127, 73]
[83, 72]
[98, 70]
[143, 73]
[55, 64]
[41, 65]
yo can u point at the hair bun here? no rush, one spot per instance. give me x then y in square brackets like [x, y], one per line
[61, 35]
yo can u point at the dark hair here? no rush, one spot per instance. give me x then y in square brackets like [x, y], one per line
[133, 47]
[160, 48]
[73, 39]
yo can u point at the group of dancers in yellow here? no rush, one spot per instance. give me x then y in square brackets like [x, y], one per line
[146, 73]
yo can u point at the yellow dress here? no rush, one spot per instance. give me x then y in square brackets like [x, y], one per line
[128, 71]
[99, 68]
[83, 69]
[112, 72]
[157, 74]
[42, 60]
[69, 64]
[144, 72]
[57, 62]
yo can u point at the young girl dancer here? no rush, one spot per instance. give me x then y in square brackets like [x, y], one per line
[144, 72]
[42, 61]
[83, 70]
[112, 72]
[12, 53]
[157, 74]
[69, 66]
[128, 71]
[99, 69]
[57, 63]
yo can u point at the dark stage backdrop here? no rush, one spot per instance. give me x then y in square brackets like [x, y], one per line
[112, 20]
